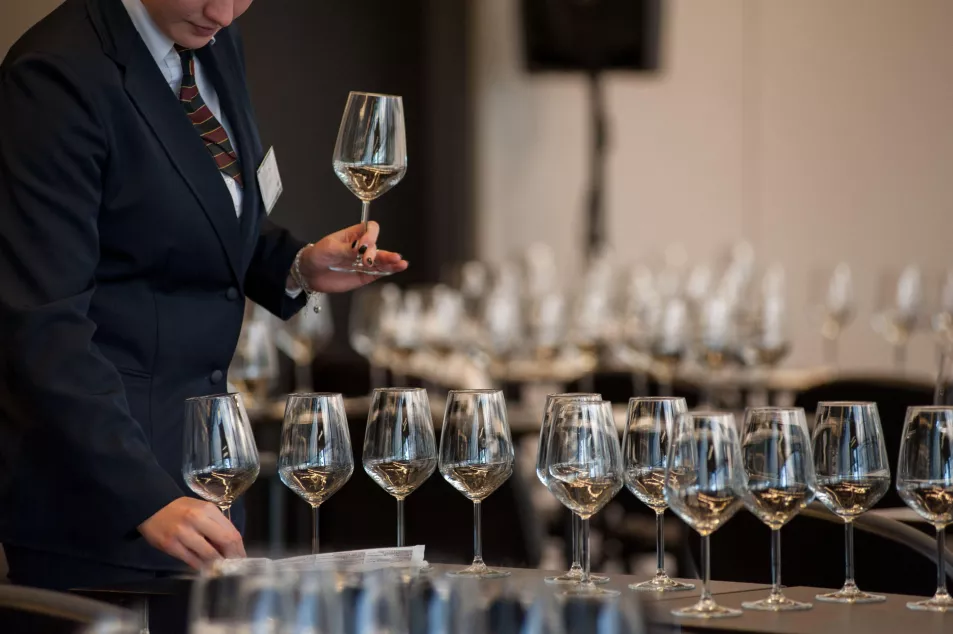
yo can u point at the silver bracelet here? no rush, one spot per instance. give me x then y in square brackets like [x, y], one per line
[313, 295]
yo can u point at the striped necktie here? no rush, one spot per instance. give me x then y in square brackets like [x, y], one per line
[205, 123]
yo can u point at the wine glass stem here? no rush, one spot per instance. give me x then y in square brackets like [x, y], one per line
[477, 535]
[576, 541]
[365, 212]
[400, 522]
[776, 561]
[940, 568]
[660, 540]
[706, 569]
[586, 562]
[314, 530]
[849, 553]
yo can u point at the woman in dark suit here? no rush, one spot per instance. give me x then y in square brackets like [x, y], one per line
[133, 226]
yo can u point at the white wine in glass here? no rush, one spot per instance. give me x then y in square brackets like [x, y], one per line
[370, 156]
[315, 459]
[704, 486]
[649, 426]
[476, 457]
[221, 458]
[574, 575]
[400, 451]
[779, 483]
[852, 472]
[925, 482]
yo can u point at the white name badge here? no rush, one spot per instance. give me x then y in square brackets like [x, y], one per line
[269, 180]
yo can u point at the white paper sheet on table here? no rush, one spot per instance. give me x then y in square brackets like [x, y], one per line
[356, 560]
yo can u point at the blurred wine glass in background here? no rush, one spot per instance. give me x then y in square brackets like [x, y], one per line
[254, 369]
[365, 324]
[898, 310]
[304, 336]
[942, 319]
[832, 296]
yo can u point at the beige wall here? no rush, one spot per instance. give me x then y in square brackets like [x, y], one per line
[16, 16]
[820, 130]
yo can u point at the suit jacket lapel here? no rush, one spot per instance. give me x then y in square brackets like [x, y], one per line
[221, 63]
[159, 107]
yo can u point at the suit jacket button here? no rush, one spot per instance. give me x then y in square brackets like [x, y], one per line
[216, 376]
[231, 294]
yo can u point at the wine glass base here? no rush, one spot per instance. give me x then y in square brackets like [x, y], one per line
[360, 267]
[706, 609]
[478, 572]
[777, 603]
[588, 591]
[853, 596]
[936, 604]
[661, 583]
[573, 577]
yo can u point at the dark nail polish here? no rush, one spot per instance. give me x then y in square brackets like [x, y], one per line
[370, 261]
[354, 244]
[362, 249]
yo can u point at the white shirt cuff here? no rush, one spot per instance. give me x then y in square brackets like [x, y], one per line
[293, 294]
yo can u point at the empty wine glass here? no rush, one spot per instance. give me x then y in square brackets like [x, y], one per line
[779, 482]
[575, 571]
[850, 462]
[266, 602]
[302, 337]
[318, 608]
[215, 598]
[584, 461]
[649, 424]
[400, 452]
[704, 485]
[315, 459]
[925, 482]
[476, 457]
[221, 459]
[370, 155]
[833, 293]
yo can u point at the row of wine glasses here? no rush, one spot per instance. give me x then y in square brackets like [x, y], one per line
[695, 463]
[475, 452]
[261, 598]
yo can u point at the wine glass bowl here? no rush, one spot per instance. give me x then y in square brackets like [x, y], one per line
[476, 457]
[704, 486]
[400, 452]
[779, 475]
[370, 155]
[645, 444]
[852, 472]
[925, 483]
[315, 459]
[220, 456]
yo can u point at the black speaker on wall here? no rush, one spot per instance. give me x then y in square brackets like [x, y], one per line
[591, 35]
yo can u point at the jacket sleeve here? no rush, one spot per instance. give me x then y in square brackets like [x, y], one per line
[268, 271]
[61, 389]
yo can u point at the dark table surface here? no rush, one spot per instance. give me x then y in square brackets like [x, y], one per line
[168, 596]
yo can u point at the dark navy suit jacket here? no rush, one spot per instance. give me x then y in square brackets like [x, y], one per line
[123, 277]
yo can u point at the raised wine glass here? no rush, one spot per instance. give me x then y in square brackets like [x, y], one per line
[574, 575]
[221, 459]
[370, 155]
[400, 452]
[476, 457]
[584, 461]
[779, 479]
[850, 462]
[704, 485]
[315, 459]
[649, 424]
[925, 482]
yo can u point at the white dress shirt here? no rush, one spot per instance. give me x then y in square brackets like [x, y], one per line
[163, 52]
